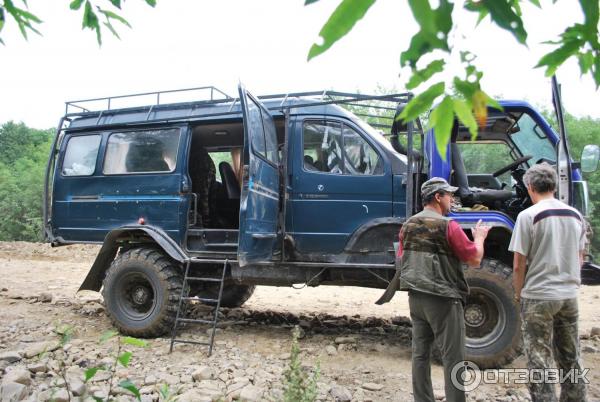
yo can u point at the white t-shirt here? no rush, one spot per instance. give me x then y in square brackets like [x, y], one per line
[550, 234]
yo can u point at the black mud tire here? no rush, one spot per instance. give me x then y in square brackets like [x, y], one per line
[141, 292]
[492, 320]
[234, 295]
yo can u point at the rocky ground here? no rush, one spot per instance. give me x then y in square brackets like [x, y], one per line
[362, 350]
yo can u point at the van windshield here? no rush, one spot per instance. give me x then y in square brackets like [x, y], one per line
[379, 138]
[531, 140]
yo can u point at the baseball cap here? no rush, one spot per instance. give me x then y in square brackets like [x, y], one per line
[434, 185]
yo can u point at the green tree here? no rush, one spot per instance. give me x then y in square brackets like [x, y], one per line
[464, 98]
[94, 16]
[23, 155]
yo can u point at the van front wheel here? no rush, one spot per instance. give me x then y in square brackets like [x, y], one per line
[141, 292]
[492, 320]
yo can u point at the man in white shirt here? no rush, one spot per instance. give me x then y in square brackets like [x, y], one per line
[548, 243]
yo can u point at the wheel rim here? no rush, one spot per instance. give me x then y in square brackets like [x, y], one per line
[485, 318]
[137, 296]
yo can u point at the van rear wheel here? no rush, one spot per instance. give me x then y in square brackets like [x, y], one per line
[141, 292]
[492, 320]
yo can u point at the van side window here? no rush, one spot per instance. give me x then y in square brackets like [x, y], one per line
[335, 148]
[142, 151]
[81, 155]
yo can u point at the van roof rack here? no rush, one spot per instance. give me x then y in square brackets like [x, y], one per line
[208, 93]
[208, 101]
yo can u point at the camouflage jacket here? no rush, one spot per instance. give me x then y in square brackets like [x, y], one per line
[428, 264]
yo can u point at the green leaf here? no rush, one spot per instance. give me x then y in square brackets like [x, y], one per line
[30, 17]
[591, 11]
[90, 20]
[536, 3]
[441, 120]
[112, 29]
[116, 3]
[420, 76]
[343, 19]
[110, 14]
[586, 61]
[97, 399]
[464, 112]
[554, 59]
[75, 4]
[422, 103]
[596, 72]
[502, 13]
[134, 342]
[307, 2]
[151, 3]
[465, 88]
[435, 25]
[493, 103]
[124, 358]
[423, 13]
[108, 335]
[419, 45]
[90, 373]
[128, 385]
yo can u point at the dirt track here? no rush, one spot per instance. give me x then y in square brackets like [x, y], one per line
[375, 366]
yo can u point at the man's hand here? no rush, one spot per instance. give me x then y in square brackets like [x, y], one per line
[480, 232]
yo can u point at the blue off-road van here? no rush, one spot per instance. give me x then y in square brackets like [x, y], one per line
[292, 188]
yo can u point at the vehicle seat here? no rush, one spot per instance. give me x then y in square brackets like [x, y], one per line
[309, 163]
[230, 182]
[471, 196]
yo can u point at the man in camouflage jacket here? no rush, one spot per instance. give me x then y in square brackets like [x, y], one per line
[431, 250]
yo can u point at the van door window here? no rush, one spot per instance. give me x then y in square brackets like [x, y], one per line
[81, 155]
[335, 148]
[323, 147]
[142, 151]
[361, 158]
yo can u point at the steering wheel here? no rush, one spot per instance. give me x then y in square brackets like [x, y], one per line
[512, 165]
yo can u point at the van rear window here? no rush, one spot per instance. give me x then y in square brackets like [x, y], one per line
[81, 155]
[142, 151]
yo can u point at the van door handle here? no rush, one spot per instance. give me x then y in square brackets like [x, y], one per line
[261, 236]
[84, 197]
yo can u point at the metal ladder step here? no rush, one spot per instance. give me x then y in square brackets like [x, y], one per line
[184, 296]
[195, 321]
[194, 278]
[200, 299]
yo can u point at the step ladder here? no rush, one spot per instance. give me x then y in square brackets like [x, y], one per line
[184, 297]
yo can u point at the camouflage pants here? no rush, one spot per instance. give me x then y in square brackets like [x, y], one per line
[550, 330]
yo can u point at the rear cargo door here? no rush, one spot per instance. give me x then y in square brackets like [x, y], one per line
[259, 204]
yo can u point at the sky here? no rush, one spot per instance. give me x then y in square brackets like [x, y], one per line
[263, 44]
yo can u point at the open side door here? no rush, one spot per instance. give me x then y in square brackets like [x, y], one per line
[563, 158]
[259, 204]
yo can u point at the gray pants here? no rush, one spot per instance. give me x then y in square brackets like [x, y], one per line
[440, 319]
[550, 333]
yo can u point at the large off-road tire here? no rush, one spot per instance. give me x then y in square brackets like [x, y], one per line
[141, 292]
[233, 295]
[492, 320]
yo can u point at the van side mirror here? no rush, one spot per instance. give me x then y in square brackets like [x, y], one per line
[589, 158]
